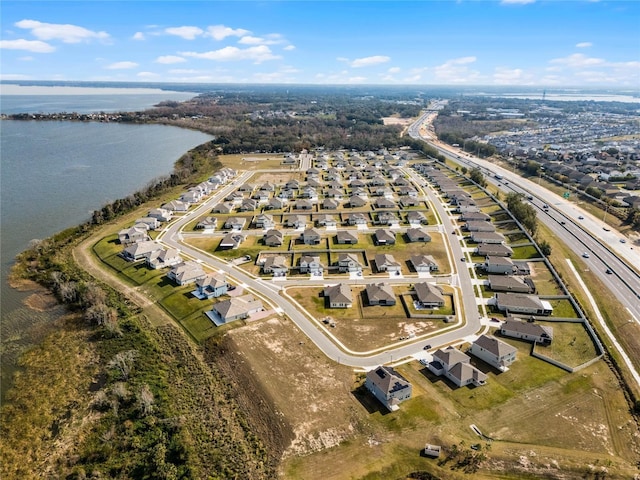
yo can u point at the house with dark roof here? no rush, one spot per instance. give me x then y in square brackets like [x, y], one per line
[346, 237]
[140, 251]
[456, 366]
[311, 264]
[423, 263]
[339, 296]
[487, 237]
[273, 238]
[276, 265]
[311, 236]
[529, 331]
[380, 294]
[418, 235]
[163, 258]
[357, 219]
[137, 233]
[211, 286]
[383, 236]
[330, 204]
[326, 220]
[428, 295]
[501, 265]
[494, 250]
[479, 226]
[208, 224]
[348, 262]
[296, 221]
[510, 283]
[235, 223]
[521, 303]
[387, 263]
[231, 241]
[495, 352]
[388, 386]
[235, 308]
[265, 221]
[416, 217]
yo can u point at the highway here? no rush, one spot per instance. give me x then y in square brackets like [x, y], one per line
[605, 249]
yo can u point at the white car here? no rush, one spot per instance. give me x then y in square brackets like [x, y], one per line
[585, 255]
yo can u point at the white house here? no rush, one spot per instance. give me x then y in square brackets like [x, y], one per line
[388, 386]
[495, 352]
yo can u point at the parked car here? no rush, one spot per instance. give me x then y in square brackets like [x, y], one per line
[462, 259]
[427, 346]
[585, 255]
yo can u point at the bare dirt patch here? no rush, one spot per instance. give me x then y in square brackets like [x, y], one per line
[41, 301]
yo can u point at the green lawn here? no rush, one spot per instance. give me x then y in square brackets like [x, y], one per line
[525, 252]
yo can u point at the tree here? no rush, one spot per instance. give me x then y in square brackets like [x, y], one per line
[478, 177]
[545, 248]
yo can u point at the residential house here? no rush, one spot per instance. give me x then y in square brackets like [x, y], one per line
[346, 237]
[383, 236]
[521, 303]
[137, 233]
[273, 238]
[487, 237]
[225, 207]
[475, 217]
[208, 224]
[231, 241]
[479, 226]
[162, 214]
[311, 264]
[163, 258]
[191, 197]
[261, 196]
[334, 193]
[495, 352]
[275, 204]
[387, 263]
[529, 331]
[310, 193]
[296, 221]
[509, 283]
[140, 250]
[388, 218]
[416, 217]
[493, 250]
[501, 265]
[265, 221]
[211, 286]
[424, 263]
[357, 219]
[186, 272]
[246, 187]
[236, 308]
[152, 223]
[326, 220]
[176, 206]
[356, 201]
[384, 203]
[329, 204]
[311, 237]
[267, 187]
[409, 201]
[339, 296]
[428, 295]
[380, 294]
[456, 366]
[418, 235]
[348, 262]
[303, 205]
[248, 205]
[276, 265]
[388, 386]
[235, 223]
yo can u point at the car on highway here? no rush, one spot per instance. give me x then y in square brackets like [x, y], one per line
[562, 222]
[427, 346]
[580, 217]
[462, 259]
[622, 240]
[608, 271]
[585, 255]
[606, 229]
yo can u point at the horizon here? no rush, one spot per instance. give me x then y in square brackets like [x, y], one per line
[505, 44]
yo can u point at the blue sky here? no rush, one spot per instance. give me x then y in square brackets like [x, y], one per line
[468, 42]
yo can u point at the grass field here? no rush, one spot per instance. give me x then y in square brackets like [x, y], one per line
[571, 345]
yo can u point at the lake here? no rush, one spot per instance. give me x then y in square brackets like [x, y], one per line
[54, 174]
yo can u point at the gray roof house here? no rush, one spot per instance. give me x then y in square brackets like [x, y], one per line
[225, 207]
[495, 352]
[137, 233]
[357, 219]
[508, 283]
[529, 331]
[311, 237]
[487, 237]
[380, 294]
[186, 273]
[416, 217]
[326, 220]
[235, 308]
[355, 201]
[176, 206]
[163, 258]
[423, 263]
[479, 226]
[348, 262]
[311, 264]
[329, 204]
[387, 263]
[211, 286]
[162, 214]
[388, 218]
[152, 223]
[456, 366]
[383, 236]
[388, 386]
[231, 241]
[339, 296]
[428, 295]
[264, 220]
[273, 238]
[418, 235]
[235, 223]
[276, 265]
[503, 265]
[296, 221]
[493, 249]
[140, 251]
[208, 224]
[346, 237]
[521, 303]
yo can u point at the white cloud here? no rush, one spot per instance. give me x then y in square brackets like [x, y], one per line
[220, 32]
[35, 46]
[577, 60]
[258, 54]
[394, 70]
[138, 36]
[147, 75]
[517, 2]
[188, 33]
[456, 71]
[183, 71]
[121, 66]
[26, 59]
[270, 39]
[65, 32]
[584, 45]
[169, 59]
[14, 76]
[369, 61]
[289, 47]
[511, 76]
